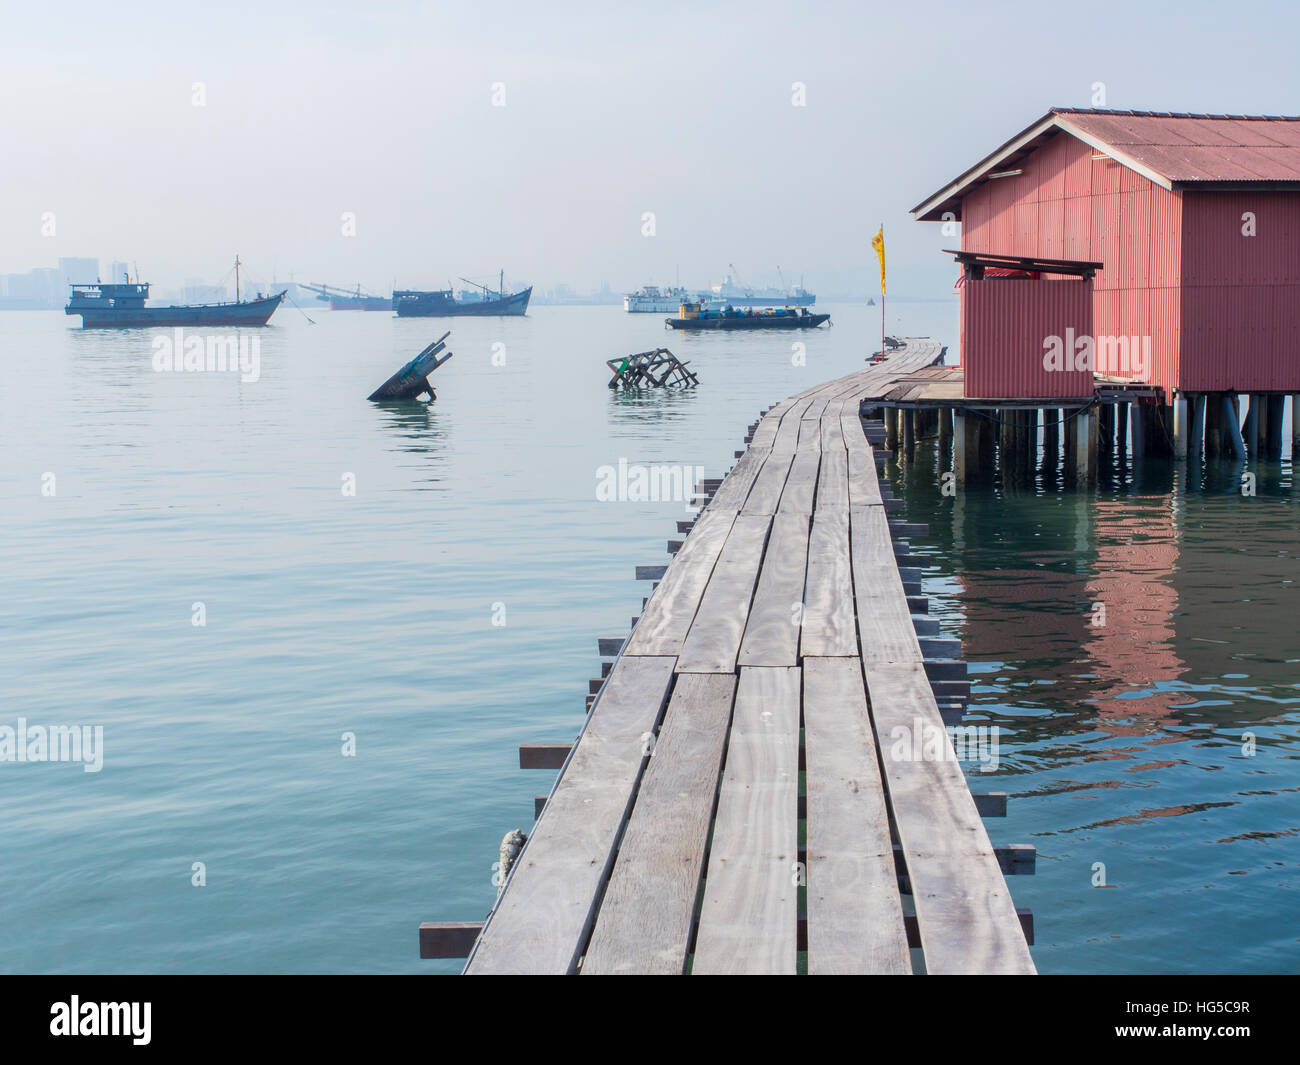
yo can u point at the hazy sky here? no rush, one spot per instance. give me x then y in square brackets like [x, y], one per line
[385, 110]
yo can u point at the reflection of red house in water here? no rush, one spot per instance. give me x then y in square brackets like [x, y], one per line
[1132, 579]
[1040, 617]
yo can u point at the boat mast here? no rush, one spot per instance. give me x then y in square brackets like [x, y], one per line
[236, 278]
[501, 285]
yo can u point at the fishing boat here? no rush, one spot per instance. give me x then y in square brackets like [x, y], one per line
[123, 305]
[445, 303]
[697, 316]
[340, 299]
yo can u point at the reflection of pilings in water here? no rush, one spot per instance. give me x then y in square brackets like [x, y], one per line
[1051, 444]
[1213, 413]
[1121, 419]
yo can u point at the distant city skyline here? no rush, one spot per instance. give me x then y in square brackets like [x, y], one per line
[408, 143]
[47, 287]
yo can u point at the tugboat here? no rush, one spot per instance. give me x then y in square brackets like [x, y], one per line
[696, 316]
[444, 303]
[123, 305]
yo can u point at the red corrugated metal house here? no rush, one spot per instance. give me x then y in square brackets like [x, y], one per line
[1194, 218]
[1012, 310]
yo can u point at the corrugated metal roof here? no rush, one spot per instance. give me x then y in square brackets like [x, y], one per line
[1173, 150]
[1194, 148]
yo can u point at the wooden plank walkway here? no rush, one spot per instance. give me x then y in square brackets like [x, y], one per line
[780, 638]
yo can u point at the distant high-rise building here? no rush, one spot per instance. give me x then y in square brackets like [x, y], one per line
[78, 271]
[34, 290]
[117, 272]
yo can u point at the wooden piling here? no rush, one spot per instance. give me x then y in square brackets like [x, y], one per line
[1274, 406]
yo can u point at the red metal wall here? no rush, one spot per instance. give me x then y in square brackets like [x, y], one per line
[1068, 205]
[1241, 295]
[1005, 323]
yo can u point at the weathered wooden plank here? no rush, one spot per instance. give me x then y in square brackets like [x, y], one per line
[855, 915]
[543, 755]
[667, 616]
[884, 616]
[735, 487]
[787, 436]
[748, 920]
[828, 630]
[801, 483]
[448, 939]
[833, 479]
[772, 629]
[864, 483]
[543, 916]
[645, 919]
[832, 435]
[964, 910]
[766, 493]
[713, 642]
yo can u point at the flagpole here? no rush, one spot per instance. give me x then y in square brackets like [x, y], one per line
[882, 291]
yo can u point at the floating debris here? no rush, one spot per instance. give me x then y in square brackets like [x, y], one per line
[412, 380]
[650, 369]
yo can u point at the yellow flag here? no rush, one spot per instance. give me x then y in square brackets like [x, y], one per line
[878, 242]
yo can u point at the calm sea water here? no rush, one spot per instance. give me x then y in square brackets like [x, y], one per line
[372, 614]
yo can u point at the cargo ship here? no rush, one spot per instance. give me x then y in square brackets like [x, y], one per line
[729, 291]
[650, 299]
[123, 305]
[341, 299]
[698, 316]
[445, 303]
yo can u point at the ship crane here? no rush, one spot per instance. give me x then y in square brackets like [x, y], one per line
[736, 275]
[333, 291]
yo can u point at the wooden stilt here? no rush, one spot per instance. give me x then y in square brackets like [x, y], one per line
[1181, 426]
[1237, 446]
[1274, 405]
[1213, 425]
[1250, 427]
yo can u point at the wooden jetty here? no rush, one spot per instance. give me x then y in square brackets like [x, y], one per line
[741, 798]
[1019, 439]
[650, 369]
[412, 380]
